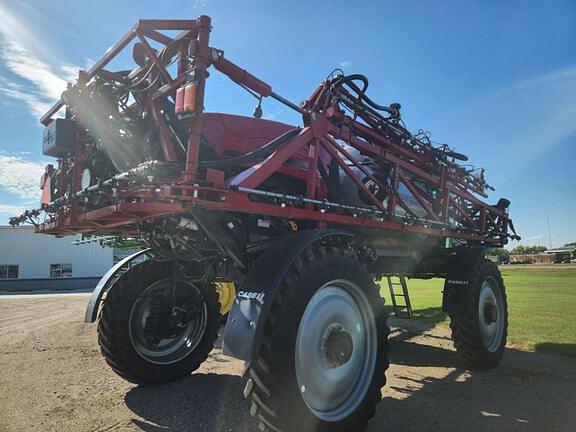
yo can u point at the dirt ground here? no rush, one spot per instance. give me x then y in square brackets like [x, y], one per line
[53, 378]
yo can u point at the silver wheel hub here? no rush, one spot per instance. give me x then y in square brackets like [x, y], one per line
[336, 347]
[162, 332]
[491, 314]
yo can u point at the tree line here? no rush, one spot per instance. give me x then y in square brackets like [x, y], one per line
[504, 254]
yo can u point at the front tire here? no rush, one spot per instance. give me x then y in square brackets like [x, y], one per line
[479, 331]
[323, 358]
[141, 335]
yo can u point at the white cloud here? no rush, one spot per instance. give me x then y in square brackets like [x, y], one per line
[11, 210]
[36, 104]
[69, 74]
[23, 63]
[544, 79]
[533, 238]
[20, 176]
[30, 80]
[346, 63]
[548, 110]
[43, 87]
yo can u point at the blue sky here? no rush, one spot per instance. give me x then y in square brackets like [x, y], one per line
[494, 79]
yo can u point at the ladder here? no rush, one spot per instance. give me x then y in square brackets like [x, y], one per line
[400, 310]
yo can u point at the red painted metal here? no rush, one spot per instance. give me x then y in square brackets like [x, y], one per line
[455, 211]
[227, 132]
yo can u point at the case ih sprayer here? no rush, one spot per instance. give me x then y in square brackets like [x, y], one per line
[301, 219]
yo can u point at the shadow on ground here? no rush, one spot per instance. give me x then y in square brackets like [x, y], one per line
[567, 349]
[427, 390]
[203, 402]
[433, 315]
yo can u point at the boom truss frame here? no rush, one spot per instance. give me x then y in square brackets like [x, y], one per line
[454, 210]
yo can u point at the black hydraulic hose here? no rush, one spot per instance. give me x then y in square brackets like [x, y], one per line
[451, 154]
[361, 92]
[456, 155]
[256, 154]
[349, 80]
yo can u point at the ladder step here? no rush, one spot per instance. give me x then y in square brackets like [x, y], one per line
[400, 310]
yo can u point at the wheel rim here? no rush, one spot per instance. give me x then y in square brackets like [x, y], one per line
[183, 339]
[226, 293]
[336, 348]
[491, 314]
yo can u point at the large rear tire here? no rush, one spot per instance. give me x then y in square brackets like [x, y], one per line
[146, 340]
[323, 358]
[479, 331]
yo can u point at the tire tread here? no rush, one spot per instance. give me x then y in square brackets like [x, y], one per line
[467, 342]
[120, 357]
[264, 388]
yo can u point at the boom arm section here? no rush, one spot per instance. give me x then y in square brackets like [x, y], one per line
[151, 151]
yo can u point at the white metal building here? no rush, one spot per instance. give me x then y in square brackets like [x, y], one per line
[30, 261]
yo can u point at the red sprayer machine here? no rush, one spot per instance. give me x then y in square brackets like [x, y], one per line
[285, 228]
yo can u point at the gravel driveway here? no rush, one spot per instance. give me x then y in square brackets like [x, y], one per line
[53, 378]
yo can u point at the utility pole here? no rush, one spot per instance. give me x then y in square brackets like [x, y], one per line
[549, 232]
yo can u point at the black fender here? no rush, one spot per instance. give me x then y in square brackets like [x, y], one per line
[461, 267]
[247, 319]
[104, 285]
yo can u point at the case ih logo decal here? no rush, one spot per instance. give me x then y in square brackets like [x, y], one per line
[258, 296]
[458, 282]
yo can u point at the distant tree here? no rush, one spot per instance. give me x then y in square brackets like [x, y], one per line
[528, 250]
[535, 249]
[570, 244]
[518, 250]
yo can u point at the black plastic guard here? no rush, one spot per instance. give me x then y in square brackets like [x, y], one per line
[247, 319]
[104, 284]
[461, 267]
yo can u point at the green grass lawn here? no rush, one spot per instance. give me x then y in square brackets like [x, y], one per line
[541, 305]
